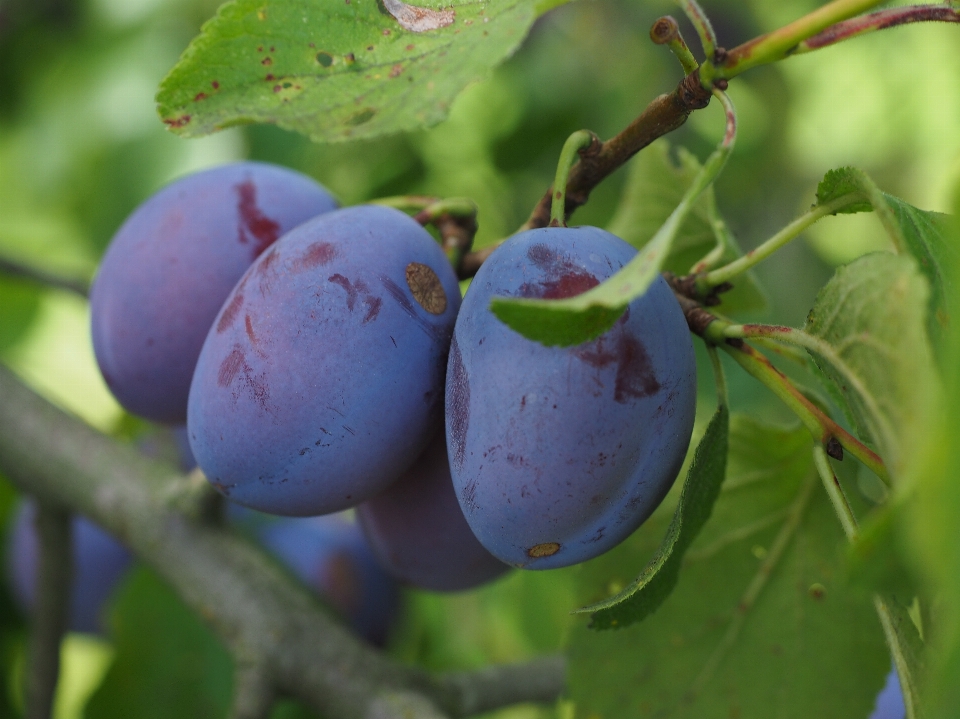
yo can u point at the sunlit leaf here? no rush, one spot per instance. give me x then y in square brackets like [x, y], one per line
[918, 232]
[335, 70]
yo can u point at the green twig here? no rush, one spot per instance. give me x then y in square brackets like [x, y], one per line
[818, 346]
[407, 203]
[575, 144]
[835, 492]
[780, 43]
[820, 425]
[716, 277]
[696, 15]
[719, 378]
[666, 31]
[462, 207]
[880, 20]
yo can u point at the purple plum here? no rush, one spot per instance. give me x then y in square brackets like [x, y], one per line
[417, 530]
[321, 380]
[171, 265]
[99, 563]
[558, 454]
[330, 555]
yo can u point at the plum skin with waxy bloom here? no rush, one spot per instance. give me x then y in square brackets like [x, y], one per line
[559, 453]
[417, 530]
[321, 380]
[171, 265]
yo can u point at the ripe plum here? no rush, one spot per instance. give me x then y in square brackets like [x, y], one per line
[321, 380]
[171, 265]
[99, 562]
[417, 530]
[890, 700]
[558, 454]
[330, 555]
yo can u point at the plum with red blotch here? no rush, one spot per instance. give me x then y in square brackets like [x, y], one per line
[330, 555]
[559, 453]
[171, 265]
[99, 563]
[890, 703]
[417, 530]
[321, 380]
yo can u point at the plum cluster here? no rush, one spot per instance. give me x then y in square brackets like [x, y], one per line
[323, 361]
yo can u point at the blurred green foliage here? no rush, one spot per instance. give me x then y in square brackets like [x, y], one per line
[81, 146]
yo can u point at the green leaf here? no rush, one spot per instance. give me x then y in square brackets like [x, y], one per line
[878, 558]
[871, 316]
[657, 580]
[167, 664]
[932, 523]
[762, 622]
[654, 187]
[844, 181]
[585, 317]
[917, 232]
[334, 70]
[925, 235]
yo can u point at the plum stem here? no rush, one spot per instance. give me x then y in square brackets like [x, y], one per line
[701, 23]
[812, 343]
[577, 145]
[823, 428]
[666, 31]
[714, 278]
[714, 330]
[51, 608]
[456, 220]
[838, 497]
[718, 376]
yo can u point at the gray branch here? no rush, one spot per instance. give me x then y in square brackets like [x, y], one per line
[51, 608]
[46, 279]
[260, 613]
[253, 694]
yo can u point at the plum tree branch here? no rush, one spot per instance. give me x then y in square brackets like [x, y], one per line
[260, 613]
[51, 608]
[46, 279]
[663, 115]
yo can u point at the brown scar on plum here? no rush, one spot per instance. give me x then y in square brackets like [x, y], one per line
[547, 549]
[426, 288]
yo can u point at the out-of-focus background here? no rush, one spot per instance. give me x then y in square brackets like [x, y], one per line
[81, 146]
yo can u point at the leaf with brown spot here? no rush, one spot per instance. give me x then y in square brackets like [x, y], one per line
[343, 90]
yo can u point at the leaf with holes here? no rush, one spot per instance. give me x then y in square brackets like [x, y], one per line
[337, 69]
[762, 623]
